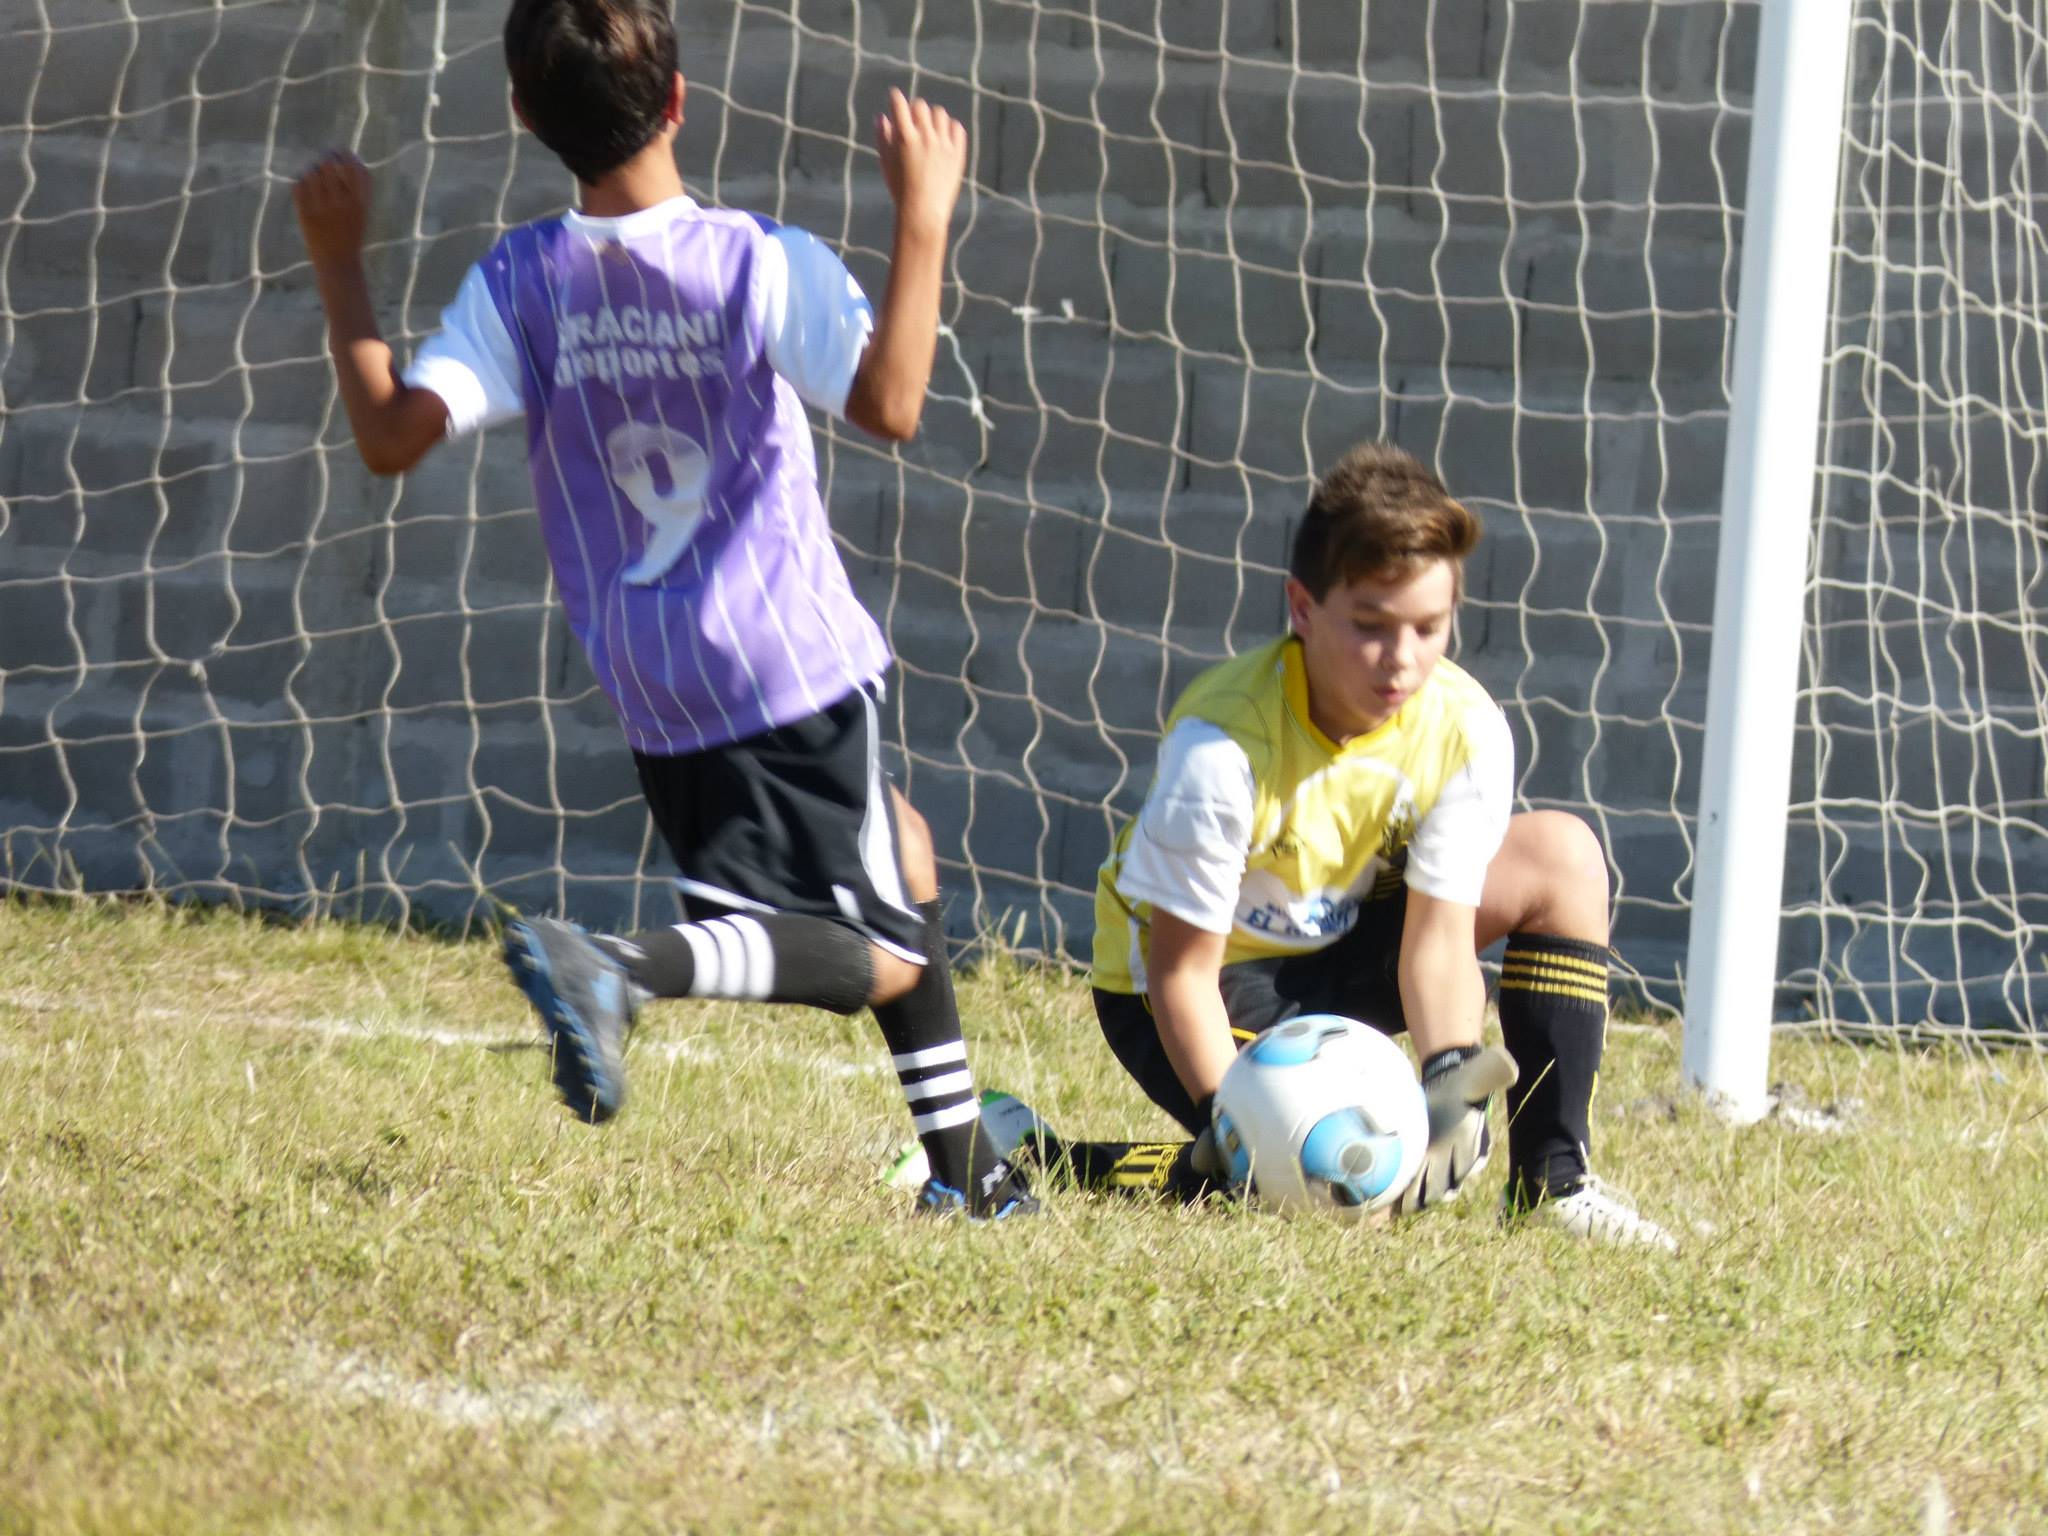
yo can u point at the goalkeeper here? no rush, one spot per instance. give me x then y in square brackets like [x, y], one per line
[659, 355]
[1330, 830]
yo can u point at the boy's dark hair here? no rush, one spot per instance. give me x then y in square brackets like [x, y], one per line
[591, 77]
[1379, 513]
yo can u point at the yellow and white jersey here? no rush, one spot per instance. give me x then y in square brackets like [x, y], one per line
[1260, 827]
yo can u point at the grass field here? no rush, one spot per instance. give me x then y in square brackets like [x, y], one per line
[294, 1236]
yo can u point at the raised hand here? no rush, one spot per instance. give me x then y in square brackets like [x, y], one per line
[924, 157]
[394, 423]
[332, 196]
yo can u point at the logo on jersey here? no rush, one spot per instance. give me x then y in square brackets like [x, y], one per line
[1266, 907]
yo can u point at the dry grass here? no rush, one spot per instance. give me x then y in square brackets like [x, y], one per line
[292, 1235]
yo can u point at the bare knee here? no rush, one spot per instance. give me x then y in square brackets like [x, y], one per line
[914, 849]
[1549, 877]
[1575, 869]
[893, 976]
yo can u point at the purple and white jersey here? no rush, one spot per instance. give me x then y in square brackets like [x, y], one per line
[660, 360]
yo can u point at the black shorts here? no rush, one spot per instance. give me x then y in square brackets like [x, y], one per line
[1358, 976]
[798, 819]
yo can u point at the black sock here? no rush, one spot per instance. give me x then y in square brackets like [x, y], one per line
[922, 1029]
[772, 957]
[1553, 1020]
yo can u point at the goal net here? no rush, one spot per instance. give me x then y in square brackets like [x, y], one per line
[1204, 247]
[1917, 879]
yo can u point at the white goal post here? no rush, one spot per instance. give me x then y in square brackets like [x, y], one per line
[1795, 143]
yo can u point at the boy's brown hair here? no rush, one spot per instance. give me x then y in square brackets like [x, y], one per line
[591, 77]
[1379, 513]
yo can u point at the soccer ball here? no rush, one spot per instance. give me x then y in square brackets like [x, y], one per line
[1322, 1113]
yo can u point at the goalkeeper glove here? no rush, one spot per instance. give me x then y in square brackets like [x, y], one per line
[1458, 1084]
[1206, 1157]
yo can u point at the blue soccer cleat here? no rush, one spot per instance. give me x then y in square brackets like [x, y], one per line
[943, 1200]
[585, 1001]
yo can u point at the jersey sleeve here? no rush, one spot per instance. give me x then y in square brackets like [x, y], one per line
[1187, 850]
[815, 321]
[471, 362]
[1463, 830]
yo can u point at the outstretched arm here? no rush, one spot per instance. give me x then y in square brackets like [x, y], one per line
[394, 423]
[924, 156]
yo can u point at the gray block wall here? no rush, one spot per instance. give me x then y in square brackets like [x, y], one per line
[1204, 248]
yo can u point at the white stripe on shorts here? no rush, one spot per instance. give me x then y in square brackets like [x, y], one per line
[878, 850]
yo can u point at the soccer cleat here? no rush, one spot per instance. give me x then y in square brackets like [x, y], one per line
[1007, 1121]
[943, 1200]
[1010, 1122]
[587, 1005]
[1597, 1213]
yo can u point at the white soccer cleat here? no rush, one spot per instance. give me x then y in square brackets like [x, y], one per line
[1598, 1213]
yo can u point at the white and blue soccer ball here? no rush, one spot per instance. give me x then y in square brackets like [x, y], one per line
[1322, 1113]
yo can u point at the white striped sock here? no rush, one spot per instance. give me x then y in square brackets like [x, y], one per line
[732, 957]
[939, 1119]
[938, 1086]
[929, 1056]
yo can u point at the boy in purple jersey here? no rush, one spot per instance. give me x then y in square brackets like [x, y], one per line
[660, 354]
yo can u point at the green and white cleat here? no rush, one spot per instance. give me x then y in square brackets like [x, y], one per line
[908, 1169]
[1005, 1119]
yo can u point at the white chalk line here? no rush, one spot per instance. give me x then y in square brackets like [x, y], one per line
[698, 1052]
[355, 1378]
[857, 1427]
